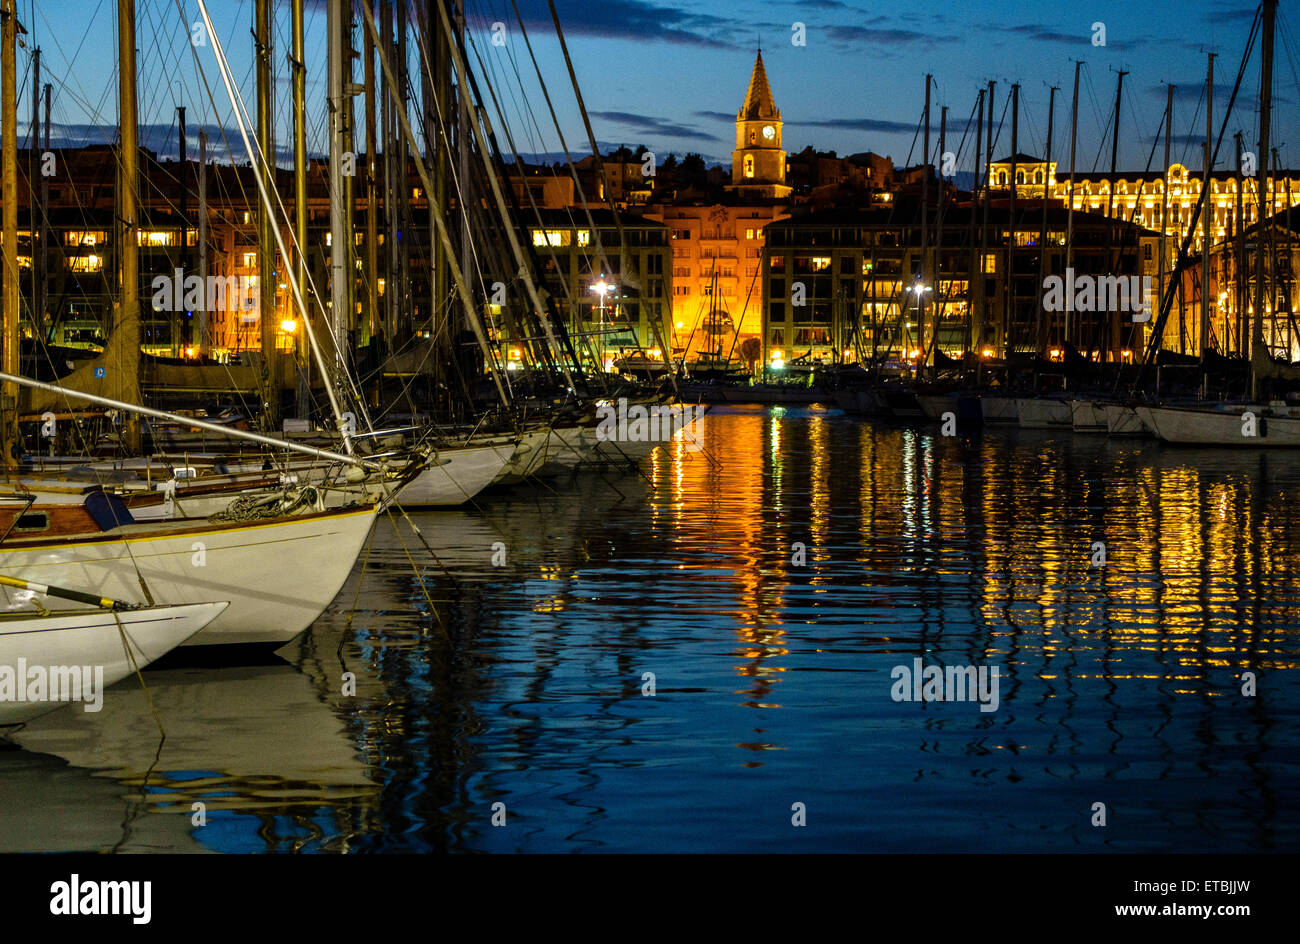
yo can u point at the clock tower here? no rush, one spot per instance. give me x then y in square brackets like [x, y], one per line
[758, 163]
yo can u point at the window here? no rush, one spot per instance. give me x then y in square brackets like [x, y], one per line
[681, 234]
[776, 263]
[552, 237]
[776, 311]
[1002, 178]
[86, 263]
[749, 234]
[778, 337]
[749, 165]
[85, 238]
[847, 265]
[1038, 176]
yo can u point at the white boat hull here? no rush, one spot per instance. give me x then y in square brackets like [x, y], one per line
[1039, 413]
[1223, 427]
[934, 406]
[1123, 421]
[93, 639]
[278, 575]
[455, 478]
[1000, 409]
[1087, 416]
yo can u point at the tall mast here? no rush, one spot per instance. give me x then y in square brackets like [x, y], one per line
[465, 194]
[1164, 199]
[201, 339]
[1112, 260]
[919, 287]
[1009, 296]
[1042, 238]
[1239, 284]
[9, 221]
[1206, 216]
[180, 318]
[377, 326]
[338, 251]
[1069, 211]
[349, 196]
[978, 330]
[38, 277]
[123, 371]
[437, 100]
[972, 294]
[265, 251]
[938, 236]
[384, 42]
[400, 286]
[43, 229]
[299, 66]
[1257, 350]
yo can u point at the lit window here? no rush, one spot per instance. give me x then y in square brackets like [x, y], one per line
[84, 238]
[552, 237]
[85, 263]
[749, 165]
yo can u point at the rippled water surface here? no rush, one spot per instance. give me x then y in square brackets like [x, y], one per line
[770, 585]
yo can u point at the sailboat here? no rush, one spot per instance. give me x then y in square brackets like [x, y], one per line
[1251, 424]
[58, 650]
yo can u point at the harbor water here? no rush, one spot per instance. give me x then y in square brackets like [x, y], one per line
[717, 653]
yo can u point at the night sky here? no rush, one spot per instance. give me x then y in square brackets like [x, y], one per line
[672, 75]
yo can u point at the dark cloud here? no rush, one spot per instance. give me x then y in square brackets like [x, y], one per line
[881, 36]
[1229, 12]
[161, 139]
[655, 126]
[857, 124]
[641, 20]
[1045, 34]
[717, 115]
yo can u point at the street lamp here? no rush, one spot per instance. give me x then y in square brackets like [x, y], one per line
[602, 288]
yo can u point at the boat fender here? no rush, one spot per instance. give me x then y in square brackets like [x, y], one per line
[355, 474]
[1263, 428]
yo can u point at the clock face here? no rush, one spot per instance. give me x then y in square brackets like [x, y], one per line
[769, 132]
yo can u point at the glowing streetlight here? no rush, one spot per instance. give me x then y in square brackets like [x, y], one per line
[602, 288]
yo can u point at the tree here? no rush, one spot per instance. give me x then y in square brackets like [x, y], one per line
[751, 349]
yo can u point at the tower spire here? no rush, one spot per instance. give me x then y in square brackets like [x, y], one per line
[758, 99]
